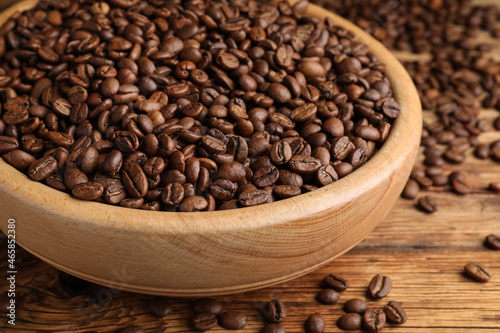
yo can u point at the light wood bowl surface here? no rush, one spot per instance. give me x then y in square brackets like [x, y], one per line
[221, 252]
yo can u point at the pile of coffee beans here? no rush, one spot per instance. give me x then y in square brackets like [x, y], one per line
[457, 79]
[187, 105]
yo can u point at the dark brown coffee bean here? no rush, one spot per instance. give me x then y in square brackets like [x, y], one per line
[335, 282]
[279, 93]
[477, 272]
[88, 191]
[233, 320]
[326, 175]
[204, 321]
[273, 328]
[328, 296]
[8, 144]
[493, 242]
[19, 159]
[494, 186]
[355, 305]
[311, 69]
[274, 311]
[395, 313]
[411, 190]
[280, 152]
[350, 321]
[113, 163]
[223, 189]
[114, 194]
[42, 168]
[265, 176]
[315, 323]
[193, 204]
[73, 177]
[135, 180]
[303, 164]
[427, 204]
[207, 305]
[461, 186]
[379, 286]
[160, 307]
[233, 171]
[303, 113]
[374, 320]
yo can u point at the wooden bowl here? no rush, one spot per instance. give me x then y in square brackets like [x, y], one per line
[221, 252]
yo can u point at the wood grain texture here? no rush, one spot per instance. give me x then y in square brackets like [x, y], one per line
[236, 250]
[423, 254]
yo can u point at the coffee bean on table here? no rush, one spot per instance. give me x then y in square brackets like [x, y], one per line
[328, 296]
[207, 305]
[350, 321]
[494, 186]
[379, 286]
[394, 312]
[355, 305]
[204, 321]
[160, 307]
[427, 204]
[315, 323]
[274, 311]
[374, 320]
[411, 190]
[233, 320]
[492, 241]
[461, 186]
[335, 282]
[273, 328]
[477, 272]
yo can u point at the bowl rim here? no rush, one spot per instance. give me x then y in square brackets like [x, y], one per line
[405, 134]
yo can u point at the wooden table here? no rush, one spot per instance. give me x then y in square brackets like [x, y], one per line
[423, 254]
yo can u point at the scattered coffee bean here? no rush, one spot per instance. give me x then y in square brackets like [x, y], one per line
[204, 321]
[427, 204]
[380, 286]
[274, 311]
[335, 282]
[328, 296]
[395, 313]
[315, 323]
[494, 186]
[355, 305]
[477, 272]
[273, 328]
[350, 321]
[233, 320]
[493, 242]
[411, 190]
[374, 320]
[207, 305]
[160, 307]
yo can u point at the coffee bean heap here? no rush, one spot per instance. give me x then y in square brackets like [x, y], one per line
[458, 79]
[187, 106]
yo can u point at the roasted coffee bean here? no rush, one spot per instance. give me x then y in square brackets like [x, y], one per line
[253, 197]
[350, 321]
[274, 311]
[223, 189]
[494, 186]
[73, 177]
[395, 313]
[207, 305]
[160, 307]
[355, 305]
[280, 152]
[115, 193]
[42, 168]
[326, 175]
[411, 190]
[232, 171]
[8, 144]
[19, 159]
[88, 191]
[328, 296]
[303, 164]
[374, 320]
[493, 242]
[379, 286]
[315, 323]
[427, 204]
[477, 272]
[204, 321]
[193, 204]
[273, 328]
[135, 180]
[461, 186]
[335, 282]
[233, 320]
